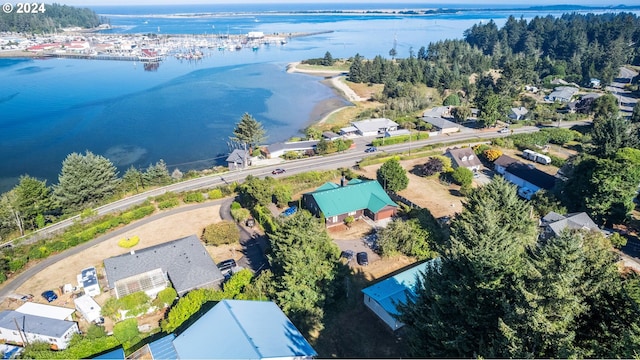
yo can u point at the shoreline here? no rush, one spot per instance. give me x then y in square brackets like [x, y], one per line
[7, 54]
[333, 79]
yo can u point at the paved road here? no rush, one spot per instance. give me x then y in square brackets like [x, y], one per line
[617, 88]
[346, 159]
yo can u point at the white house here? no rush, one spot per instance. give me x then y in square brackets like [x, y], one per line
[88, 308]
[274, 151]
[373, 127]
[382, 297]
[88, 280]
[464, 157]
[21, 329]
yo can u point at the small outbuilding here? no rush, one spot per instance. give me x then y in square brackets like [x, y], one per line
[382, 298]
[88, 308]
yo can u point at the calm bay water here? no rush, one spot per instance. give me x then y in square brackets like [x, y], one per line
[184, 112]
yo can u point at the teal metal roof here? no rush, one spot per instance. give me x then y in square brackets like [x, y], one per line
[394, 290]
[357, 195]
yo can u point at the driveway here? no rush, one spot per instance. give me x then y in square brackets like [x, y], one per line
[357, 246]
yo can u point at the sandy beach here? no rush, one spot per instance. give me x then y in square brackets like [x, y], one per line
[335, 80]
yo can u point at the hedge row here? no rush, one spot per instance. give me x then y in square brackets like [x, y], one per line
[400, 139]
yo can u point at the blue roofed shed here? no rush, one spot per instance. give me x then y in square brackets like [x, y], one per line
[242, 329]
[382, 297]
[356, 198]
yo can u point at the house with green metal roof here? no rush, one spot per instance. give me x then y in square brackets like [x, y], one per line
[355, 198]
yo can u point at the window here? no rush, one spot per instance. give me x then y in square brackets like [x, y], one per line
[334, 219]
[351, 213]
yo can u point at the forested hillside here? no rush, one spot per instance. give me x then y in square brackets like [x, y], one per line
[55, 16]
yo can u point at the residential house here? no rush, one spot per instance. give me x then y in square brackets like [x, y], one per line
[561, 94]
[518, 113]
[464, 157]
[553, 223]
[274, 151]
[370, 127]
[183, 262]
[242, 329]
[585, 103]
[356, 198]
[399, 132]
[527, 177]
[238, 158]
[383, 297]
[438, 118]
[595, 83]
[22, 329]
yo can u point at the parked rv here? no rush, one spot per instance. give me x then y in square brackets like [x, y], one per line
[537, 157]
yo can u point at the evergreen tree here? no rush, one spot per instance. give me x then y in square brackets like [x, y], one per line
[328, 59]
[609, 134]
[249, 131]
[33, 199]
[356, 70]
[156, 174]
[304, 262]
[84, 181]
[392, 175]
[460, 303]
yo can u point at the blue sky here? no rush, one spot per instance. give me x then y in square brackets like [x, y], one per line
[419, 3]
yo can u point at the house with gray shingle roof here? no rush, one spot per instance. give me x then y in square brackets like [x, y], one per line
[561, 94]
[17, 327]
[184, 262]
[518, 113]
[464, 157]
[356, 198]
[553, 223]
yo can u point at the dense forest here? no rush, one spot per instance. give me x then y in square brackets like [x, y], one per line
[55, 16]
[573, 47]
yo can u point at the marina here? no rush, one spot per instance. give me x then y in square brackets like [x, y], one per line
[149, 48]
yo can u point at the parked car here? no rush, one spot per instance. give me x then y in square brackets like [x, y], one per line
[250, 222]
[371, 149]
[503, 130]
[278, 171]
[362, 258]
[347, 254]
[290, 211]
[27, 297]
[49, 295]
[226, 265]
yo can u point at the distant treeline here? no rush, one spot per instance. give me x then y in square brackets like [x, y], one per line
[54, 18]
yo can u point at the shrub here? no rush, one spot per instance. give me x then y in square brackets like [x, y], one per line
[462, 176]
[480, 149]
[168, 204]
[349, 220]
[492, 154]
[224, 232]
[240, 215]
[165, 297]
[126, 330]
[215, 194]
[235, 205]
[129, 242]
[192, 197]
[432, 166]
